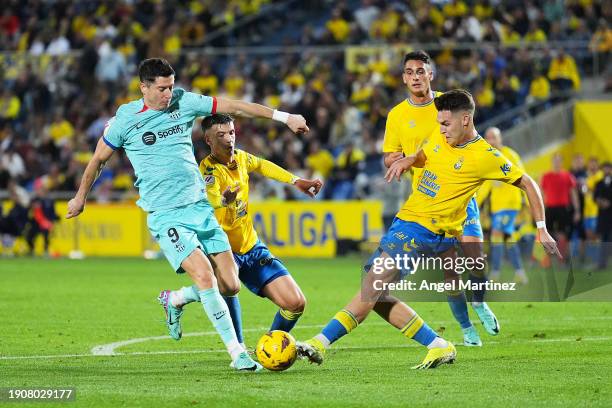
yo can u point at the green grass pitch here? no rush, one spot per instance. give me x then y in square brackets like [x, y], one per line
[55, 311]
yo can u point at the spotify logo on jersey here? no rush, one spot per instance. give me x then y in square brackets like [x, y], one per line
[149, 138]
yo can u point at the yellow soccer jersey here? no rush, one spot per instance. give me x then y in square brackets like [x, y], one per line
[505, 196]
[590, 206]
[450, 178]
[408, 125]
[234, 218]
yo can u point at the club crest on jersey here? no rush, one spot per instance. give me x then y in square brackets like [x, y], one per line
[459, 163]
[149, 138]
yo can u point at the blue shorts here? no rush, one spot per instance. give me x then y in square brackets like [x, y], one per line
[504, 221]
[590, 224]
[179, 231]
[258, 267]
[405, 237]
[471, 226]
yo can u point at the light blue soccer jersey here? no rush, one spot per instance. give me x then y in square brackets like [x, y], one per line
[158, 144]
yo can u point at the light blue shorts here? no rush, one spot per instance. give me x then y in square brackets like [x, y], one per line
[590, 224]
[471, 226]
[179, 231]
[504, 221]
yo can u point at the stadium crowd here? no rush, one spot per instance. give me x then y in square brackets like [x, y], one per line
[71, 64]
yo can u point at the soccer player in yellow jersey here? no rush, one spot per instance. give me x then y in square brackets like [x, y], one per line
[226, 174]
[409, 123]
[590, 209]
[506, 202]
[455, 162]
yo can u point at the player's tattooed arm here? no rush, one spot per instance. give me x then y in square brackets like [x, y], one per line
[101, 155]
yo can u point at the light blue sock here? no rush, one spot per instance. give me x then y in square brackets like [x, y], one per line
[458, 305]
[190, 294]
[219, 316]
[233, 304]
[515, 256]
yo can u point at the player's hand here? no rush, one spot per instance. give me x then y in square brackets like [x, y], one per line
[549, 243]
[398, 168]
[309, 187]
[390, 158]
[297, 123]
[75, 207]
[229, 194]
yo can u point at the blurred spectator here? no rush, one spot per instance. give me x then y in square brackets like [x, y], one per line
[539, 89]
[603, 197]
[60, 130]
[601, 42]
[10, 106]
[366, 14]
[205, 81]
[348, 164]
[319, 161]
[13, 224]
[563, 73]
[560, 196]
[111, 69]
[12, 162]
[43, 216]
[338, 27]
[59, 45]
[192, 33]
[590, 210]
[579, 171]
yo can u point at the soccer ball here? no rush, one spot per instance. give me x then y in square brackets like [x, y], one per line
[276, 350]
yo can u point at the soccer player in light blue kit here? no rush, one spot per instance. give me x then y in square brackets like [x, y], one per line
[155, 133]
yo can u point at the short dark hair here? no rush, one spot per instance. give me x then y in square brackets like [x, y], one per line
[419, 55]
[151, 68]
[216, 119]
[455, 101]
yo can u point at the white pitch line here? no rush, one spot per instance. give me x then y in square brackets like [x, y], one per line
[110, 348]
[396, 346]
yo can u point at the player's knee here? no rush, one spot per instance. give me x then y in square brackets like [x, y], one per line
[229, 286]
[204, 280]
[296, 304]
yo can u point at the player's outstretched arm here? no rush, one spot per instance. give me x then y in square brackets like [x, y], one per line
[296, 123]
[271, 170]
[401, 166]
[92, 171]
[536, 203]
